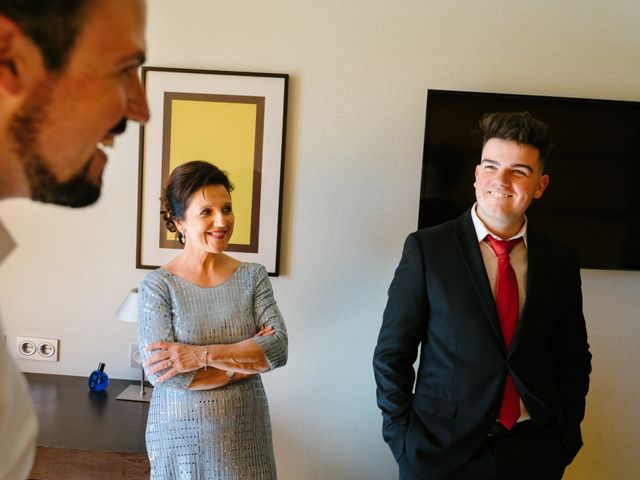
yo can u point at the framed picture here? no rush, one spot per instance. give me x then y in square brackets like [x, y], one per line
[234, 120]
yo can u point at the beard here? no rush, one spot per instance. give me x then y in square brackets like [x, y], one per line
[25, 127]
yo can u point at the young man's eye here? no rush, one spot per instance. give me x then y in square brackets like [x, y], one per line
[128, 70]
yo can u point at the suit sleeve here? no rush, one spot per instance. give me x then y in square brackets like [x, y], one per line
[403, 326]
[573, 361]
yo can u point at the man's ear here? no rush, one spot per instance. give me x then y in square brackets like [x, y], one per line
[543, 183]
[20, 59]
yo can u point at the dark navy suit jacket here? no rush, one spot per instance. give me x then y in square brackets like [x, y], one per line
[441, 307]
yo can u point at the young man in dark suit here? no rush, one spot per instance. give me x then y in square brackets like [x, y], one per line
[504, 361]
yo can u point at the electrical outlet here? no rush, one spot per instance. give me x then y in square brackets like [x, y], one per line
[35, 348]
[134, 356]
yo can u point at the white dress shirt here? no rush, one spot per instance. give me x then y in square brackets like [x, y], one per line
[18, 422]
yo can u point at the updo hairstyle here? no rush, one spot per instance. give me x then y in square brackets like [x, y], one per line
[184, 181]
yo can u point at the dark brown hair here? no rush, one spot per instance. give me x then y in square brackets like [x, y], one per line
[53, 25]
[184, 181]
[520, 127]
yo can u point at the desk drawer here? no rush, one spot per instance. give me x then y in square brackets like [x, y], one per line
[71, 464]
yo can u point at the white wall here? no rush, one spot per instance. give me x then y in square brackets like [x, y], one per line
[359, 71]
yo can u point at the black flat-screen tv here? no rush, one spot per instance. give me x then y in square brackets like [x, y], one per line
[593, 199]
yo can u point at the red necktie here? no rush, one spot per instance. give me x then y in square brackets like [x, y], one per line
[507, 306]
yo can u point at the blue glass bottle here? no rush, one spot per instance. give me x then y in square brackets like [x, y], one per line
[98, 380]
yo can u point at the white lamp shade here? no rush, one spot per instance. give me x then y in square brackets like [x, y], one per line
[128, 311]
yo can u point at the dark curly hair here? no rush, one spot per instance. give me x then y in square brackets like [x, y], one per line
[53, 25]
[520, 127]
[184, 181]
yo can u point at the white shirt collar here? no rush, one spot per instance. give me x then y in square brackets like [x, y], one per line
[6, 242]
[482, 231]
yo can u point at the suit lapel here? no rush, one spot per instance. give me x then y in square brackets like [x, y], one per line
[467, 240]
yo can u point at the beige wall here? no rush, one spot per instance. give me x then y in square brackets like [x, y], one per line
[359, 71]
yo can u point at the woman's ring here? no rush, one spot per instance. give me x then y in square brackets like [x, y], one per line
[170, 364]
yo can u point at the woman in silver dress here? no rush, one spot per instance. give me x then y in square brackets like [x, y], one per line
[208, 325]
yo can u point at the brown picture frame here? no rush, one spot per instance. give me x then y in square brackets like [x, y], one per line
[235, 120]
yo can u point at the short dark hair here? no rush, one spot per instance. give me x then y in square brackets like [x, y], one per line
[520, 127]
[184, 181]
[53, 25]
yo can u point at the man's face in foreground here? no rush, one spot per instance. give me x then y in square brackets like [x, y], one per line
[58, 129]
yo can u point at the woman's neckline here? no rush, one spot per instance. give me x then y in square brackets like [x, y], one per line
[241, 265]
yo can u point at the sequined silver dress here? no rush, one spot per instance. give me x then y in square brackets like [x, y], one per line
[224, 433]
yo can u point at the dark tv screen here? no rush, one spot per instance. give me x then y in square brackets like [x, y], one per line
[593, 199]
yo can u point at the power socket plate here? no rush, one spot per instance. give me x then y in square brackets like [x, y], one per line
[37, 348]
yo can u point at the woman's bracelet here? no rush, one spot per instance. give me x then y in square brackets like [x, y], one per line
[204, 359]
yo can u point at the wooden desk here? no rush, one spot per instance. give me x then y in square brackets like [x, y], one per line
[87, 435]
